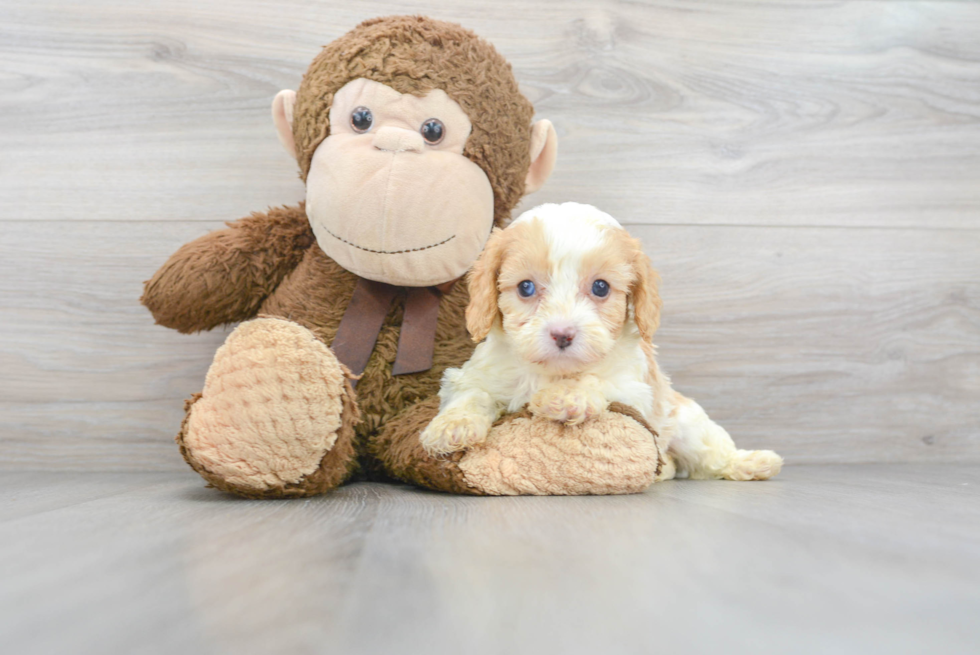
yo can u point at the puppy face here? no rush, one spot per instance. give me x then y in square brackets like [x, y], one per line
[564, 281]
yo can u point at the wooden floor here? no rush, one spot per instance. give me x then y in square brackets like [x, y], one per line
[825, 559]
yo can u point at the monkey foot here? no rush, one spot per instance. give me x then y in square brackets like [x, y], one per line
[276, 415]
[615, 453]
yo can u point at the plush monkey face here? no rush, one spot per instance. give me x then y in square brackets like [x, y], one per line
[390, 195]
[413, 139]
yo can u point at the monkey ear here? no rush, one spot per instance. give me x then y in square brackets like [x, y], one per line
[282, 116]
[544, 150]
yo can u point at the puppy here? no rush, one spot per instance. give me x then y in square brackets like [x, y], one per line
[565, 304]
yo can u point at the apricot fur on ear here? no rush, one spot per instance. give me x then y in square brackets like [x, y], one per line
[482, 310]
[645, 295]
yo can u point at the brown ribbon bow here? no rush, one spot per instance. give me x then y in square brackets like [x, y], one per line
[365, 315]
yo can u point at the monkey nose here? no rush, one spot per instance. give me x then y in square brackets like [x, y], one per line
[563, 338]
[397, 139]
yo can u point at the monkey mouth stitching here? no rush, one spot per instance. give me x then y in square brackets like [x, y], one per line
[388, 252]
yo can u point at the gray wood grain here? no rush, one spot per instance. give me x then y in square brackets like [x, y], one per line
[829, 345]
[805, 174]
[851, 559]
[802, 113]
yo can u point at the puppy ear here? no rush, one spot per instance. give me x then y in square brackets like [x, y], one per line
[482, 310]
[645, 295]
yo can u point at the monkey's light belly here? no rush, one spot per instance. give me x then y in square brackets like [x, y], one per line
[401, 218]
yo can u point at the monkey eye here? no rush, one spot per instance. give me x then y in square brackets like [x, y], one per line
[600, 288]
[361, 119]
[525, 289]
[432, 131]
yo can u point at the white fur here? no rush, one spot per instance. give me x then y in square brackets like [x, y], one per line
[511, 369]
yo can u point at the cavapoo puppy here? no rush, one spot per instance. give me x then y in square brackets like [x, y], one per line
[565, 304]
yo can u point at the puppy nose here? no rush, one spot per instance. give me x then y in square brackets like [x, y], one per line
[563, 338]
[396, 139]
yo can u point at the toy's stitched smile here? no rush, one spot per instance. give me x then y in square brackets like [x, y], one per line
[388, 252]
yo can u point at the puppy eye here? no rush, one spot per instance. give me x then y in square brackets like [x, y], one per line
[600, 288]
[525, 289]
[361, 119]
[432, 131]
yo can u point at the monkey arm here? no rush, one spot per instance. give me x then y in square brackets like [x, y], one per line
[224, 276]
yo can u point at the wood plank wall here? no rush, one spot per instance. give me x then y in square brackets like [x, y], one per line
[806, 175]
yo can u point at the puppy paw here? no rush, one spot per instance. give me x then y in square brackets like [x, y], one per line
[454, 431]
[753, 465]
[567, 403]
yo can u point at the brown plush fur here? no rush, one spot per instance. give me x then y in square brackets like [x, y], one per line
[224, 277]
[414, 55]
[399, 450]
[269, 264]
[315, 295]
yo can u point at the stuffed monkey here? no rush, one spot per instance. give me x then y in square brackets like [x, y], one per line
[414, 141]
